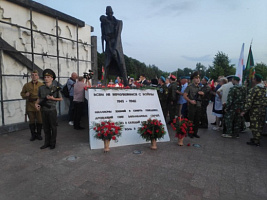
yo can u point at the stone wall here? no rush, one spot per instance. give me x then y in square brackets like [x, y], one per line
[20, 39]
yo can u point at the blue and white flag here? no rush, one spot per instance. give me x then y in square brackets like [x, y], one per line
[241, 65]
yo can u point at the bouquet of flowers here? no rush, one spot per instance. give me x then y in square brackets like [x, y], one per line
[151, 129]
[108, 130]
[182, 126]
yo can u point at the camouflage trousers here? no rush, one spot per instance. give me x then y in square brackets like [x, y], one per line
[257, 117]
[232, 122]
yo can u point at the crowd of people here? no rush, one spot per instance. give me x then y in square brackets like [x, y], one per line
[186, 97]
[233, 103]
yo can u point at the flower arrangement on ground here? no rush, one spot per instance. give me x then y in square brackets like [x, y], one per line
[106, 131]
[182, 127]
[152, 130]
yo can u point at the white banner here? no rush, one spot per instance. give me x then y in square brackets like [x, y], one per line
[129, 106]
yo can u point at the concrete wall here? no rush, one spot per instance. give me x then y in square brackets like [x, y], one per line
[20, 39]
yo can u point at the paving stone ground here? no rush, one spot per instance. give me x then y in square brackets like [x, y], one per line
[221, 168]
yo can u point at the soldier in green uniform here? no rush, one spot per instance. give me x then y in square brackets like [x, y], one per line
[255, 104]
[234, 106]
[51, 95]
[30, 93]
[204, 103]
[163, 95]
[172, 98]
[192, 95]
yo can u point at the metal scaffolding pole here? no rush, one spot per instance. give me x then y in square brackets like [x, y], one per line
[32, 39]
[77, 29]
[59, 107]
[1, 87]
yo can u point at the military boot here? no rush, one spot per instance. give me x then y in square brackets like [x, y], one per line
[32, 128]
[39, 130]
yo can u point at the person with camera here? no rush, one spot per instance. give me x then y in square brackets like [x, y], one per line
[70, 83]
[30, 93]
[48, 96]
[78, 100]
[192, 95]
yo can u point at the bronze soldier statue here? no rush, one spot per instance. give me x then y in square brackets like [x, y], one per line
[114, 58]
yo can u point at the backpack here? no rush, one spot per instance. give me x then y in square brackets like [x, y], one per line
[65, 91]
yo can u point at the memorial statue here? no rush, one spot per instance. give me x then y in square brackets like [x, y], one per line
[114, 59]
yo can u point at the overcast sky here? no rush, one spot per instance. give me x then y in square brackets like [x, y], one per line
[175, 34]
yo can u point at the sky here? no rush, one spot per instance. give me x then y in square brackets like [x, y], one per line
[172, 34]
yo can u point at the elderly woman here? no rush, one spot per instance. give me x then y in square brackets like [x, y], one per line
[218, 107]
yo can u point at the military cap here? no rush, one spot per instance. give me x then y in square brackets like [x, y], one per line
[35, 71]
[172, 77]
[183, 77]
[49, 72]
[258, 77]
[163, 79]
[194, 75]
[154, 81]
[206, 78]
[236, 78]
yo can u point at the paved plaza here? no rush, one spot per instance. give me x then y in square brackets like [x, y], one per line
[221, 168]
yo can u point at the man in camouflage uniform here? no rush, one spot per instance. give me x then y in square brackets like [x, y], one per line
[30, 93]
[204, 103]
[192, 95]
[255, 104]
[163, 95]
[233, 108]
[172, 98]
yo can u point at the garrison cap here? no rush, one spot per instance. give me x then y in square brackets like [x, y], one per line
[163, 79]
[206, 78]
[236, 78]
[172, 77]
[258, 77]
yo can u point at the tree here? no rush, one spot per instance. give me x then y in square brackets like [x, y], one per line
[201, 68]
[261, 68]
[221, 66]
[187, 71]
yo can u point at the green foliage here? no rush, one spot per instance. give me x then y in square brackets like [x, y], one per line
[261, 69]
[221, 66]
[134, 68]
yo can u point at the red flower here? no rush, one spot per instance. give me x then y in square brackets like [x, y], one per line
[105, 134]
[162, 131]
[113, 138]
[95, 128]
[190, 128]
[174, 121]
[99, 135]
[98, 128]
[157, 131]
[116, 132]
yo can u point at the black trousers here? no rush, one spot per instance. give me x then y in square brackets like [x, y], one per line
[194, 115]
[78, 111]
[50, 126]
[204, 116]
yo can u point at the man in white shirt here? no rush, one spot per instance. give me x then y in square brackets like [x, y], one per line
[225, 90]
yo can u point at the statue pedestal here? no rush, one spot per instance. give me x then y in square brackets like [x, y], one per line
[130, 106]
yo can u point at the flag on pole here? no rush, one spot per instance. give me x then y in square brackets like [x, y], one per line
[250, 69]
[241, 65]
[103, 73]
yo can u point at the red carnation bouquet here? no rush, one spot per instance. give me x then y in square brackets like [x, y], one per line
[108, 130]
[182, 127]
[151, 129]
